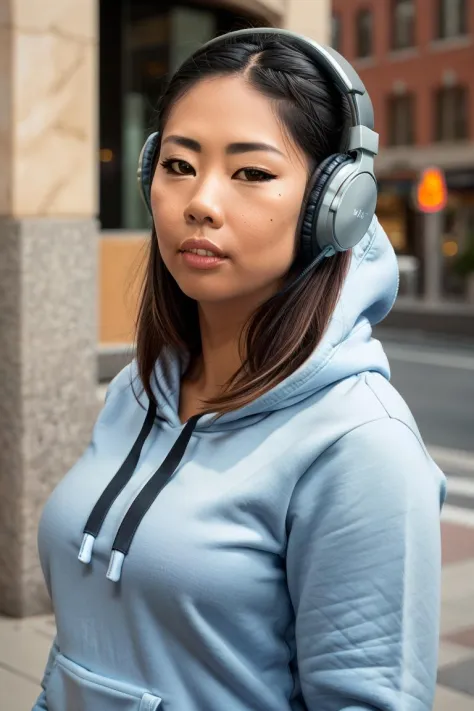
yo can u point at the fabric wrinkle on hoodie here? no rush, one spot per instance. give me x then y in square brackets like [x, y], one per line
[279, 558]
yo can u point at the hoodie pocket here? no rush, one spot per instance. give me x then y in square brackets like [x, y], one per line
[72, 688]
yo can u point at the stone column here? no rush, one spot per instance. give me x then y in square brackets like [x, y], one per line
[309, 17]
[48, 256]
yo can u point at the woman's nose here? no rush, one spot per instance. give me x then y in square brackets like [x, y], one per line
[204, 209]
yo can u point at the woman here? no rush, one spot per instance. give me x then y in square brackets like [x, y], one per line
[259, 516]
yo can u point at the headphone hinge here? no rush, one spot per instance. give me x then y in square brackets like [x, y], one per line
[362, 138]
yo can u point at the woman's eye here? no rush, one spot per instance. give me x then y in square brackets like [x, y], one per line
[177, 167]
[254, 175]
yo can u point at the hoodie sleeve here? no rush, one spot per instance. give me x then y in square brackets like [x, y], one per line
[363, 567]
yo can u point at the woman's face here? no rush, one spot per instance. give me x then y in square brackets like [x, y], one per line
[230, 181]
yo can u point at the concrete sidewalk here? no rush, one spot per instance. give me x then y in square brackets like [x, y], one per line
[24, 645]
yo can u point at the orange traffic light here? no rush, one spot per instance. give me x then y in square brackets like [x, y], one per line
[431, 192]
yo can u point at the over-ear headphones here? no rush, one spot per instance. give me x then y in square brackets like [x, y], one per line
[342, 195]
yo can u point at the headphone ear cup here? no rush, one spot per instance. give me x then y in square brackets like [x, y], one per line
[309, 246]
[146, 167]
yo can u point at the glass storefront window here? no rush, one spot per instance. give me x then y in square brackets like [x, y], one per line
[391, 212]
[457, 236]
[396, 215]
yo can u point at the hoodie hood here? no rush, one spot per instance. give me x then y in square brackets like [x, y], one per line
[347, 347]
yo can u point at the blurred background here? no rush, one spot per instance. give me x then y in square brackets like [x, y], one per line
[79, 83]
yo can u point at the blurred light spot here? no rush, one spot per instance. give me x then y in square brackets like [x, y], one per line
[106, 155]
[450, 248]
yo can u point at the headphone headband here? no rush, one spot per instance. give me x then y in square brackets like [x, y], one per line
[340, 72]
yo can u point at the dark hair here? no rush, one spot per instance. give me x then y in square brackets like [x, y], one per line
[284, 331]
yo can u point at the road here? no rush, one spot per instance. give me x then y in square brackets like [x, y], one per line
[438, 384]
[437, 381]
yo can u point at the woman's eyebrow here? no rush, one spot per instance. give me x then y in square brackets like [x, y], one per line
[234, 148]
[185, 142]
[231, 149]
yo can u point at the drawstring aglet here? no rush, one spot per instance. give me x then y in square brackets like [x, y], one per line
[115, 566]
[85, 554]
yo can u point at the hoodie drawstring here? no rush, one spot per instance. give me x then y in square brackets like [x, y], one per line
[142, 502]
[145, 499]
[114, 488]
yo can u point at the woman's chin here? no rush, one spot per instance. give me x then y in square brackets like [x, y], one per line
[206, 289]
[220, 286]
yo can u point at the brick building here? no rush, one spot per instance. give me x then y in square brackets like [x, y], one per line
[416, 58]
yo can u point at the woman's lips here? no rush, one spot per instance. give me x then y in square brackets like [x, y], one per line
[201, 254]
[201, 259]
[203, 246]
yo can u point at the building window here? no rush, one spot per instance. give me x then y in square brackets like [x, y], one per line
[336, 28]
[451, 114]
[401, 120]
[364, 30]
[403, 24]
[452, 18]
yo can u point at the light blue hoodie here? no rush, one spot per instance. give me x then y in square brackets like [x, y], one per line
[288, 557]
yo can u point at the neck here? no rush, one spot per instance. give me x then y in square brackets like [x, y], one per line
[221, 326]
